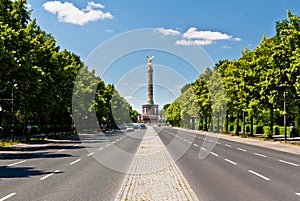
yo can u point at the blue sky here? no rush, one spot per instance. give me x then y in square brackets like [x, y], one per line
[221, 28]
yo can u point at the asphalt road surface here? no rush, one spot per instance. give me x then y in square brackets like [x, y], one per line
[232, 170]
[66, 170]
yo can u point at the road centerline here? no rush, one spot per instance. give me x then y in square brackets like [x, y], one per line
[8, 196]
[259, 175]
[261, 155]
[289, 163]
[49, 175]
[90, 154]
[17, 163]
[240, 149]
[75, 161]
[230, 161]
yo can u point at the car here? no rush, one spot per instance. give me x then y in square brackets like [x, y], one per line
[143, 126]
[129, 128]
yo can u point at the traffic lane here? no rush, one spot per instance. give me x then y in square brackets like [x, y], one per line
[83, 179]
[218, 179]
[272, 153]
[284, 173]
[289, 160]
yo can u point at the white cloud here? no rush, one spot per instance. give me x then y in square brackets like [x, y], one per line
[168, 32]
[185, 42]
[194, 37]
[192, 33]
[68, 13]
[109, 30]
[237, 39]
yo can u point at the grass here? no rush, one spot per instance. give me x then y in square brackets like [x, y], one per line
[8, 143]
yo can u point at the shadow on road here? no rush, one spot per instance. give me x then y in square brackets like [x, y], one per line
[19, 172]
[9, 156]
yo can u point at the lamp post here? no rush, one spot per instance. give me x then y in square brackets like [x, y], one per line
[284, 115]
[12, 112]
[1, 109]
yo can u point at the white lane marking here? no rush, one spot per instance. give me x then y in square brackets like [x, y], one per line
[244, 150]
[219, 143]
[261, 155]
[117, 140]
[113, 142]
[49, 175]
[16, 163]
[259, 175]
[75, 161]
[8, 196]
[189, 142]
[203, 149]
[107, 145]
[185, 140]
[213, 153]
[195, 145]
[90, 154]
[230, 161]
[61, 150]
[228, 145]
[298, 194]
[290, 163]
[100, 148]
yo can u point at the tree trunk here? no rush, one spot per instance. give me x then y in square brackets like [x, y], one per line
[251, 125]
[271, 119]
[237, 122]
[227, 123]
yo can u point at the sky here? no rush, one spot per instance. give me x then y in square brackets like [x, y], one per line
[219, 29]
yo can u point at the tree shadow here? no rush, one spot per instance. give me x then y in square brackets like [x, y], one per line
[20, 172]
[10, 156]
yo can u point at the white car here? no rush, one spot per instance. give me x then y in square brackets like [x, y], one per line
[130, 128]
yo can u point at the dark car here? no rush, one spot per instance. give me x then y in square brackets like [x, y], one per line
[143, 126]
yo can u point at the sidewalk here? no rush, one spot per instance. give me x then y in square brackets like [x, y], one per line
[154, 175]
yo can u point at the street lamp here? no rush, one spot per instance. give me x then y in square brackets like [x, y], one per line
[284, 112]
[1, 109]
[12, 111]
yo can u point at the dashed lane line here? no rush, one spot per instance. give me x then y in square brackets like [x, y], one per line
[259, 175]
[228, 145]
[8, 196]
[16, 163]
[49, 175]
[90, 154]
[195, 145]
[213, 153]
[75, 161]
[290, 163]
[107, 145]
[230, 161]
[261, 155]
[297, 194]
[203, 149]
[240, 149]
[61, 150]
[100, 148]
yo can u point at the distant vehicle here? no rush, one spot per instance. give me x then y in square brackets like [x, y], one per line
[129, 128]
[143, 126]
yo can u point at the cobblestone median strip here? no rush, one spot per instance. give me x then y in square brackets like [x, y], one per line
[154, 174]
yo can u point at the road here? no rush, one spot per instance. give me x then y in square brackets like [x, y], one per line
[232, 170]
[67, 170]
